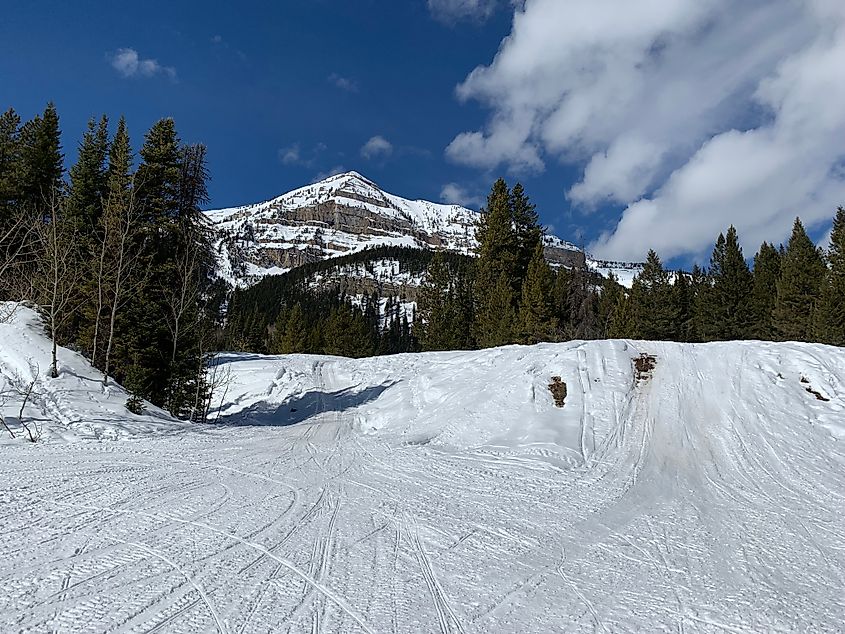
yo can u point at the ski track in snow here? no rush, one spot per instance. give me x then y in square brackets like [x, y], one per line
[707, 498]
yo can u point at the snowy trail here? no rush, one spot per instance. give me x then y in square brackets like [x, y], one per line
[712, 499]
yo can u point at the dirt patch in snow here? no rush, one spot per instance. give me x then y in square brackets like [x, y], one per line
[558, 389]
[644, 365]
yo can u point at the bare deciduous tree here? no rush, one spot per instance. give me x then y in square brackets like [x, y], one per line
[120, 271]
[16, 253]
[59, 271]
[24, 388]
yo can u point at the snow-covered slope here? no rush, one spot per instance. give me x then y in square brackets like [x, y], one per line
[339, 215]
[73, 406]
[445, 492]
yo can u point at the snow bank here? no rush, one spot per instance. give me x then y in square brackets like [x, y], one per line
[73, 406]
[499, 400]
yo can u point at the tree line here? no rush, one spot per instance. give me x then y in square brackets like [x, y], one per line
[510, 294]
[115, 256]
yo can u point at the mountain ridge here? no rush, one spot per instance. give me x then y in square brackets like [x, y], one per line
[346, 213]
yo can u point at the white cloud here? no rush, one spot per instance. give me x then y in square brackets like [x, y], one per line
[377, 147]
[344, 83]
[129, 63]
[334, 171]
[449, 11]
[290, 155]
[455, 194]
[693, 114]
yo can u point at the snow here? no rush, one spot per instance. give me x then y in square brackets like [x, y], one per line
[75, 406]
[438, 492]
[267, 226]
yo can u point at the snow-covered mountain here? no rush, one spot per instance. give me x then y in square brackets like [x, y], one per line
[341, 215]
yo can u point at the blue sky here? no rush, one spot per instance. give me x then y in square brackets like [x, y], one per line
[631, 127]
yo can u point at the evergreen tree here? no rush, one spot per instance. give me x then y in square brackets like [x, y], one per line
[437, 307]
[89, 178]
[347, 333]
[683, 296]
[831, 321]
[536, 311]
[655, 311]
[623, 322]
[119, 173]
[527, 228]
[766, 276]
[727, 312]
[295, 340]
[610, 292]
[799, 288]
[497, 277]
[10, 150]
[41, 165]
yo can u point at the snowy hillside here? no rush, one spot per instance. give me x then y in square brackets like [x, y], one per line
[441, 492]
[74, 406]
[340, 215]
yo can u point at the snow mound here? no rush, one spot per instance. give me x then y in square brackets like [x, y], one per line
[74, 406]
[499, 400]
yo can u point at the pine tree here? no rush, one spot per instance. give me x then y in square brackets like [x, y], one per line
[727, 306]
[496, 279]
[527, 229]
[295, 340]
[683, 296]
[10, 150]
[41, 165]
[89, 178]
[623, 320]
[118, 175]
[536, 311]
[655, 312]
[437, 307]
[831, 320]
[610, 292]
[766, 276]
[799, 288]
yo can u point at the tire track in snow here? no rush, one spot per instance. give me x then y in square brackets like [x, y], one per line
[154, 553]
[330, 594]
[445, 615]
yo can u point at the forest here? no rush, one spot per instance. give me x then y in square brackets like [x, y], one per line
[118, 258]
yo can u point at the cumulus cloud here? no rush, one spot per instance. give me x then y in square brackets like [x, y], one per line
[455, 194]
[377, 147]
[344, 83]
[449, 11]
[129, 63]
[689, 114]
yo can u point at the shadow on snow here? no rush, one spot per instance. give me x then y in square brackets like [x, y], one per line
[300, 408]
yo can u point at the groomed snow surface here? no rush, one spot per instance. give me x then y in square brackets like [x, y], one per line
[436, 493]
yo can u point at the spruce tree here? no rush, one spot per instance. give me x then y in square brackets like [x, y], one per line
[623, 320]
[527, 228]
[799, 288]
[831, 319]
[610, 292]
[497, 276]
[89, 178]
[727, 305]
[10, 150]
[655, 311]
[41, 165]
[764, 296]
[536, 311]
[683, 296]
[295, 340]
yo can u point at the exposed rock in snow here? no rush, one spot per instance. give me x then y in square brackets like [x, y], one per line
[339, 215]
